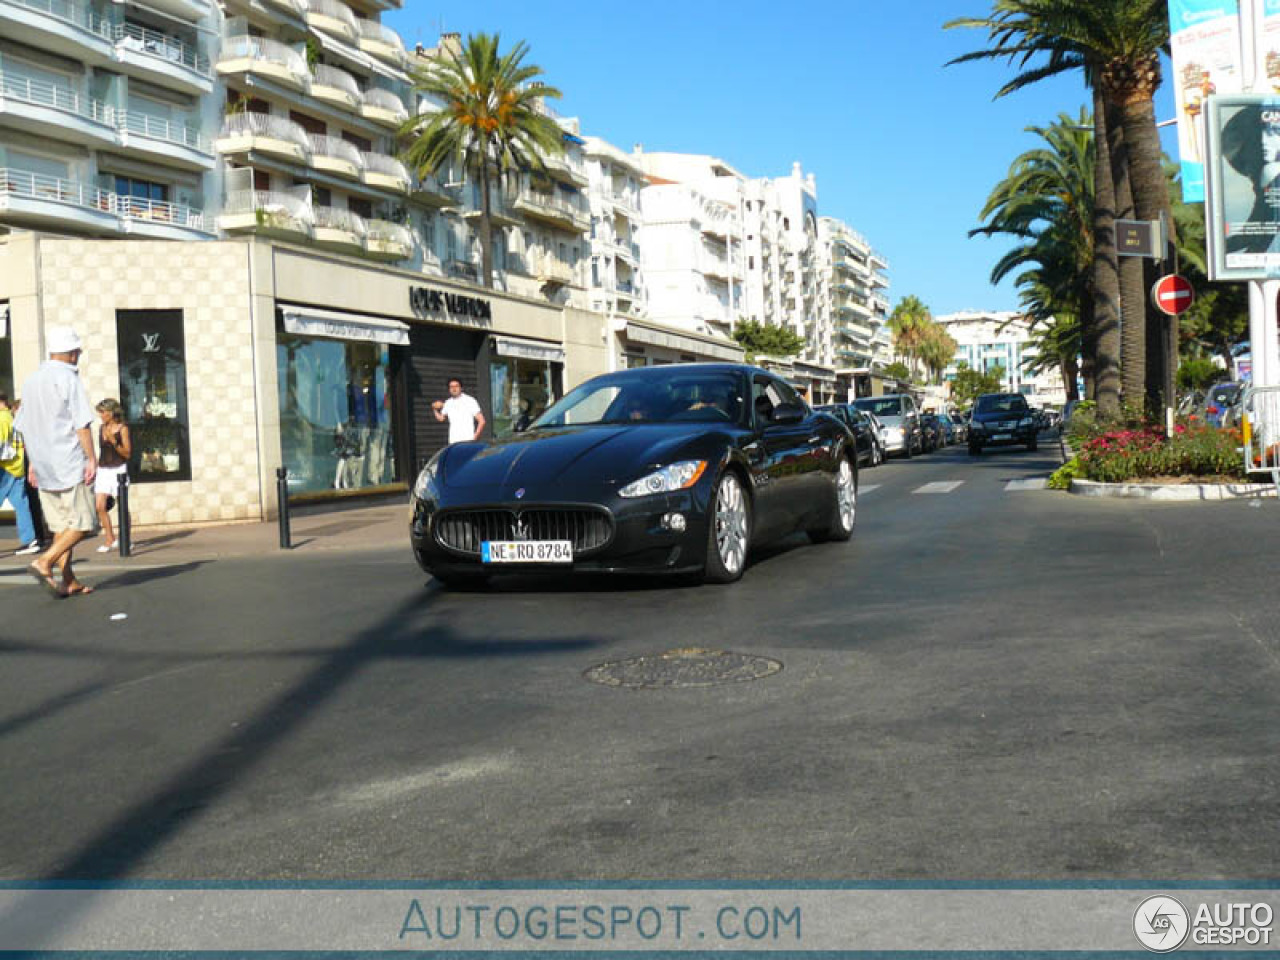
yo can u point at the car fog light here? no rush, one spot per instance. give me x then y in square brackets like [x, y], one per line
[674, 521]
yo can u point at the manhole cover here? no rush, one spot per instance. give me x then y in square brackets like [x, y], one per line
[686, 667]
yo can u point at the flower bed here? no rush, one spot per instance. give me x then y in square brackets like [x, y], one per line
[1195, 453]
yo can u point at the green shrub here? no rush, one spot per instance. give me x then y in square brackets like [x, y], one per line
[1062, 477]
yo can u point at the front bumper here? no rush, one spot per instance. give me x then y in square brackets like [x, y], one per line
[1003, 437]
[638, 543]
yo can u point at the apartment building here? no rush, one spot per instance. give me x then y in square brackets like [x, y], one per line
[989, 339]
[614, 185]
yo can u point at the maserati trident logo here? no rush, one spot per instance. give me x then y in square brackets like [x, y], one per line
[520, 531]
[520, 494]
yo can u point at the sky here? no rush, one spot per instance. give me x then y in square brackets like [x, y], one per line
[905, 149]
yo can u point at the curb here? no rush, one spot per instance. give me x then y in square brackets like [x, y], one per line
[1172, 492]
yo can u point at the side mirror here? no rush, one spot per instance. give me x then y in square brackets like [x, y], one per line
[786, 413]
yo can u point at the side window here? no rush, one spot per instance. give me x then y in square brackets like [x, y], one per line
[761, 404]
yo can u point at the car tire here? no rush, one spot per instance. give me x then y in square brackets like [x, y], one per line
[462, 581]
[728, 530]
[844, 512]
[975, 449]
[906, 449]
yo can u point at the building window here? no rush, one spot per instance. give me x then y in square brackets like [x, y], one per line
[335, 413]
[360, 207]
[153, 391]
[145, 192]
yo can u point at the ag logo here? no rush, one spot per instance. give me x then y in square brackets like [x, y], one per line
[1161, 923]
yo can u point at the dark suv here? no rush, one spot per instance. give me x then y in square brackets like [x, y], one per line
[1001, 419]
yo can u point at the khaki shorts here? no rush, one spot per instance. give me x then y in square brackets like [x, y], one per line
[71, 509]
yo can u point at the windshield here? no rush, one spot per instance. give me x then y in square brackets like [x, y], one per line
[881, 406]
[1005, 403]
[692, 397]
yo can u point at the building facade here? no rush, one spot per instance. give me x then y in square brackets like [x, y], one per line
[987, 340]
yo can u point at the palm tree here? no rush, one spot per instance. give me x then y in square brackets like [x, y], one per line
[1047, 203]
[937, 350]
[909, 324]
[1117, 44]
[490, 121]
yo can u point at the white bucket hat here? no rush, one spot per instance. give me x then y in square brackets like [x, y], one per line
[62, 340]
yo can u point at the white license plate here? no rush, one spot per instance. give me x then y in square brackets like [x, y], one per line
[1003, 436]
[526, 551]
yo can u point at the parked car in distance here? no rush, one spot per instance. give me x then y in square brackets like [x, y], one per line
[935, 437]
[1002, 419]
[960, 427]
[901, 418]
[866, 438]
[1217, 407]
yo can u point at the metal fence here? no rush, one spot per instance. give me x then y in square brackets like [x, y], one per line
[1261, 432]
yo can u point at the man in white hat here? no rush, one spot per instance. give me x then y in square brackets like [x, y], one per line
[54, 420]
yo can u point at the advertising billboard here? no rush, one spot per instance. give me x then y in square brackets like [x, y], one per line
[1242, 212]
[1204, 39]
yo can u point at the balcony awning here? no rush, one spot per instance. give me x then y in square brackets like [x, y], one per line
[528, 349]
[699, 345]
[337, 325]
[4, 319]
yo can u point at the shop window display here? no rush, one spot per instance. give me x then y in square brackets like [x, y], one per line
[153, 391]
[335, 413]
[522, 389]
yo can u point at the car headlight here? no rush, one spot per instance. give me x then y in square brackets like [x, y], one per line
[677, 476]
[1027, 422]
[424, 486]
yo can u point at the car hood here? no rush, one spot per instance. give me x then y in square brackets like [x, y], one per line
[546, 462]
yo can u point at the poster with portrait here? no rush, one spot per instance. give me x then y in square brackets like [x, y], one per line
[1243, 181]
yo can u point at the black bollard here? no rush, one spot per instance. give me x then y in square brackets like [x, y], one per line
[282, 495]
[124, 534]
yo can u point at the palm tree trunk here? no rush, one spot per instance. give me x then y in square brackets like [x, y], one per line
[1150, 190]
[1106, 272]
[486, 227]
[1068, 365]
[1133, 303]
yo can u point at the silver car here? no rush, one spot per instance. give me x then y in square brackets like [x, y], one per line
[901, 419]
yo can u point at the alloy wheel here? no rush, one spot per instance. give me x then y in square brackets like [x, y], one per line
[846, 496]
[731, 524]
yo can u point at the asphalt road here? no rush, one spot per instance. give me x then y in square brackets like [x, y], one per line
[987, 683]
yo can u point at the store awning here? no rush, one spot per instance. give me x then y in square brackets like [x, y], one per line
[4, 319]
[528, 349]
[337, 325]
[697, 344]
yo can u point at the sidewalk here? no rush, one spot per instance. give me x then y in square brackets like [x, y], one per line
[313, 530]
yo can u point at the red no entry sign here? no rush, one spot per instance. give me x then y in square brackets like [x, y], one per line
[1172, 294]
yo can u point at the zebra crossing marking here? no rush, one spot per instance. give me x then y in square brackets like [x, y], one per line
[939, 486]
[868, 487]
[1027, 483]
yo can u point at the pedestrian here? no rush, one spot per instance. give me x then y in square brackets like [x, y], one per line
[55, 421]
[13, 476]
[466, 422]
[115, 446]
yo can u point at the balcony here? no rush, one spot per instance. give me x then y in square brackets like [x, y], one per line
[879, 280]
[463, 270]
[433, 192]
[279, 137]
[49, 202]
[162, 59]
[291, 8]
[339, 230]
[552, 270]
[561, 167]
[267, 212]
[264, 58]
[334, 155]
[388, 241]
[334, 18]
[65, 27]
[161, 220]
[385, 173]
[384, 107]
[502, 209]
[180, 143]
[379, 40]
[553, 209]
[336, 87]
[35, 106]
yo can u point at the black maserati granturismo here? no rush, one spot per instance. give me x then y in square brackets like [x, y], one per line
[680, 468]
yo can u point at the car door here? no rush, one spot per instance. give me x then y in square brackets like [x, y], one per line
[778, 455]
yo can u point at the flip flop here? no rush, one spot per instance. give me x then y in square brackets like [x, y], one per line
[47, 582]
[79, 590]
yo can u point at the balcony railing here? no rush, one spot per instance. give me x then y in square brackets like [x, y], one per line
[380, 33]
[160, 128]
[552, 204]
[77, 14]
[268, 51]
[265, 125]
[325, 75]
[159, 211]
[156, 44]
[333, 218]
[384, 231]
[334, 10]
[272, 203]
[386, 100]
[56, 97]
[324, 146]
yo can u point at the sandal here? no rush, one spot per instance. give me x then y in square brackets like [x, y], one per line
[46, 580]
[106, 547]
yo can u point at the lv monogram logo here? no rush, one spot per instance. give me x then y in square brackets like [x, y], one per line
[151, 343]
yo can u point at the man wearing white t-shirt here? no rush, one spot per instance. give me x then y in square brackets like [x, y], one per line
[466, 422]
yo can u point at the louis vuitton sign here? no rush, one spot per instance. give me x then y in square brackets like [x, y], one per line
[456, 306]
